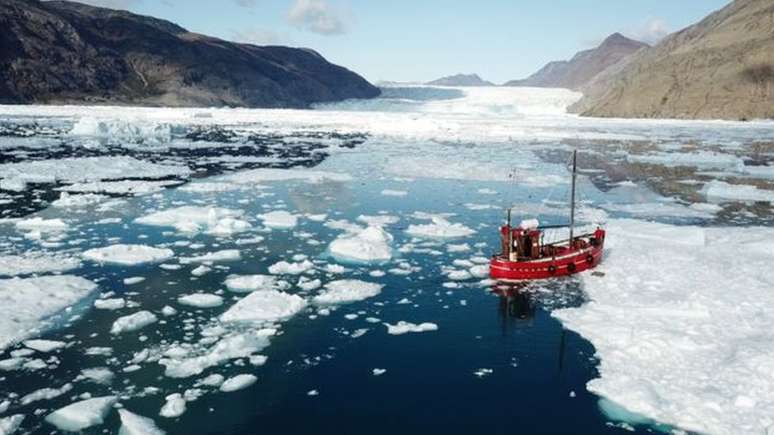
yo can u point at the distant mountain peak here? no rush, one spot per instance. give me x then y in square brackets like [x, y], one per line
[584, 66]
[461, 80]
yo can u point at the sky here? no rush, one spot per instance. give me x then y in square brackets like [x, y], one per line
[421, 40]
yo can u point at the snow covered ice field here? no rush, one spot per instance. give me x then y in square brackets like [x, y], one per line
[236, 271]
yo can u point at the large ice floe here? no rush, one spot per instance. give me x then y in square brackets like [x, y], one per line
[681, 325]
[192, 219]
[27, 305]
[82, 415]
[15, 176]
[264, 306]
[128, 255]
[31, 262]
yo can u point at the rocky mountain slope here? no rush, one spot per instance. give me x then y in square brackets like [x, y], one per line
[721, 67]
[66, 52]
[461, 80]
[584, 66]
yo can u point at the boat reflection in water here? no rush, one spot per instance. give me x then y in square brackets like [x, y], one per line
[517, 305]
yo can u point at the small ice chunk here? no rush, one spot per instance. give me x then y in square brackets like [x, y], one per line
[44, 346]
[110, 304]
[285, 268]
[379, 372]
[133, 424]
[238, 382]
[406, 327]
[264, 306]
[133, 280]
[201, 300]
[390, 192]
[367, 245]
[279, 219]
[439, 227]
[45, 394]
[99, 375]
[346, 291]
[250, 283]
[128, 255]
[213, 380]
[168, 311]
[133, 322]
[81, 415]
[214, 257]
[175, 406]
[192, 219]
[9, 425]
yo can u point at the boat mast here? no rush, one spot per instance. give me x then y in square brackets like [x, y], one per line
[572, 196]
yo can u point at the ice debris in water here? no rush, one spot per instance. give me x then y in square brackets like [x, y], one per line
[31, 262]
[133, 322]
[250, 283]
[200, 300]
[363, 244]
[264, 306]
[279, 219]
[174, 407]
[346, 291]
[45, 346]
[128, 255]
[660, 317]
[9, 425]
[439, 227]
[133, 424]
[26, 303]
[403, 327]
[213, 257]
[238, 382]
[81, 415]
[191, 219]
[285, 268]
[257, 176]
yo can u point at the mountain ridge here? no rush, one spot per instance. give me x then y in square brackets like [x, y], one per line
[63, 52]
[460, 80]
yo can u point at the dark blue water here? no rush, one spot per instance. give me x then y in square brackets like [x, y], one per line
[538, 369]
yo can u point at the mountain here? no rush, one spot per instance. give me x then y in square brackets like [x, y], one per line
[721, 67]
[67, 52]
[460, 80]
[584, 66]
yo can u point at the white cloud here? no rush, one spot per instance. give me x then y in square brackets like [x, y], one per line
[651, 31]
[112, 4]
[259, 36]
[316, 16]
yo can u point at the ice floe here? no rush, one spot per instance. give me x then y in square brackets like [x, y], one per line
[250, 283]
[346, 291]
[403, 327]
[44, 346]
[286, 268]
[257, 176]
[174, 407]
[679, 324]
[27, 305]
[36, 262]
[200, 300]
[439, 227]
[223, 255]
[133, 424]
[133, 322]
[72, 201]
[264, 307]
[81, 415]
[238, 382]
[128, 255]
[720, 190]
[193, 219]
[279, 219]
[363, 244]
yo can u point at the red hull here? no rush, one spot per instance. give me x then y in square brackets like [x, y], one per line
[564, 263]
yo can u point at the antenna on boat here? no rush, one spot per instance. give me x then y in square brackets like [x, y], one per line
[572, 195]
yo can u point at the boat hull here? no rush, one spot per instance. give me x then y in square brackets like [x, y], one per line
[562, 265]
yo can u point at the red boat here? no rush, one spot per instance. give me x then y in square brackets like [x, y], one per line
[524, 256]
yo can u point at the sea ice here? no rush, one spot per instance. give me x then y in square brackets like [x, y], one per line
[285, 268]
[214, 257]
[720, 190]
[264, 306]
[81, 415]
[133, 322]
[133, 424]
[367, 245]
[346, 291]
[174, 407]
[439, 228]
[257, 176]
[45, 346]
[29, 263]
[25, 304]
[405, 327]
[9, 425]
[279, 219]
[238, 382]
[192, 219]
[659, 320]
[250, 283]
[66, 200]
[200, 300]
[128, 255]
